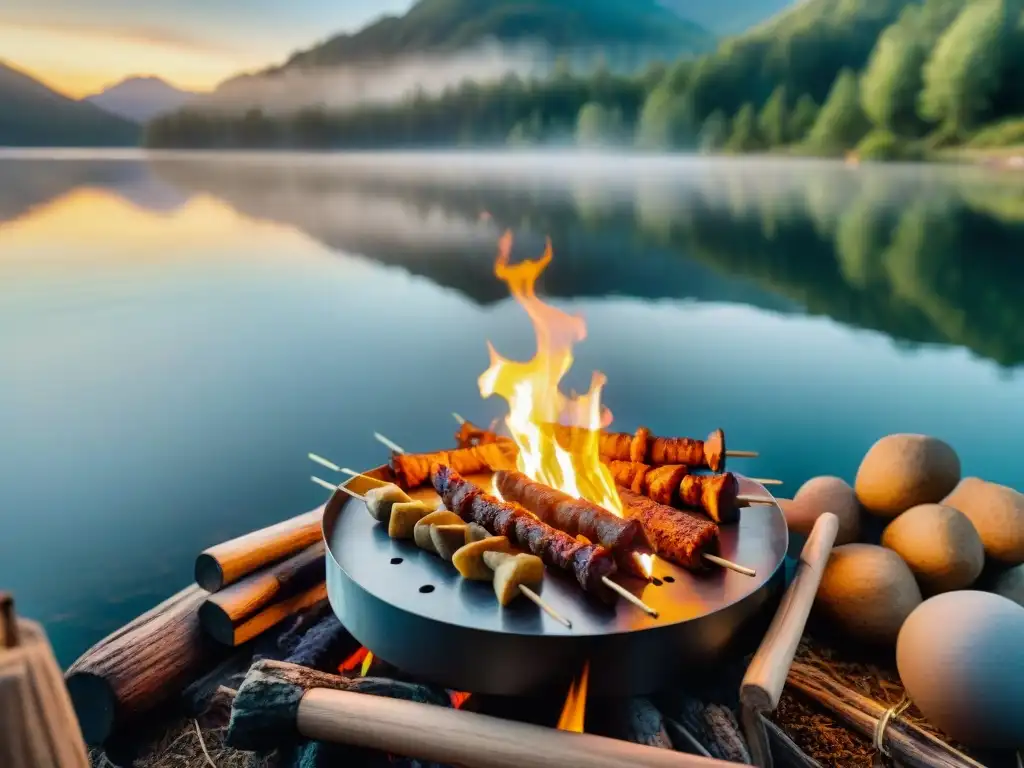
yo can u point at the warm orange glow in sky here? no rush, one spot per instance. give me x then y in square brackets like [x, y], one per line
[81, 62]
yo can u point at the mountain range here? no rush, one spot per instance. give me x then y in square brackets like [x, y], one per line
[33, 115]
[140, 99]
[629, 32]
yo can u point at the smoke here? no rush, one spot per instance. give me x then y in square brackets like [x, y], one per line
[339, 87]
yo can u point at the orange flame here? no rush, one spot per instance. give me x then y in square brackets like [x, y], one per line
[458, 698]
[575, 709]
[351, 664]
[535, 402]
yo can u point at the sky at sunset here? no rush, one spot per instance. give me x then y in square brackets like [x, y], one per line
[81, 46]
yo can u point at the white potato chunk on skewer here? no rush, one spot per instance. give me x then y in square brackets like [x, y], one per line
[448, 539]
[469, 560]
[421, 535]
[381, 499]
[513, 571]
[404, 516]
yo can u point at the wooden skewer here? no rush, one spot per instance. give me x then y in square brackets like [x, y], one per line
[755, 499]
[742, 454]
[325, 462]
[730, 565]
[458, 418]
[628, 596]
[526, 591]
[384, 441]
[765, 481]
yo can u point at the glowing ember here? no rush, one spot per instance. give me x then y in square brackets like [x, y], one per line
[535, 401]
[575, 709]
[352, 663]
[458, 698]
[366, 664]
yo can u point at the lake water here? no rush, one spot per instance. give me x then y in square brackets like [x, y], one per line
[178, 332]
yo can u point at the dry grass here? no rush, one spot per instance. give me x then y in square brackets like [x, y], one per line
[180, 748]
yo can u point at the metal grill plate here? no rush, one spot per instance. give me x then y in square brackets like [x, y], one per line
[414, 610]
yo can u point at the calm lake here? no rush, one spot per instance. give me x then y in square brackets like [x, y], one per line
[177, 332]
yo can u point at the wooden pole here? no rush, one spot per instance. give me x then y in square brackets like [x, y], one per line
[37, 723]
[224, 564]
[277, 700]
[261, 600]
[765, 678]
[910, 746]
[140, 666]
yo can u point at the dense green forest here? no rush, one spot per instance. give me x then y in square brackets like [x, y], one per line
[887, 78]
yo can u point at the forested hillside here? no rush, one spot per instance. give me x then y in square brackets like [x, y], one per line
[889, 78]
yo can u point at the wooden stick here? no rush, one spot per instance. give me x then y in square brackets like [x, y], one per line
[625, 594]
[337, 487]
[910, 746]
[755, 499]
[353, 473]
[37, 722]
[324, 462]
[458, 418]
[539, 602]
[742, 454]
[265, 598]
[279, 700]
[140, 666]
[730, 565]
[224, 564]
[385, 441]
[765, 481]
[765, 678]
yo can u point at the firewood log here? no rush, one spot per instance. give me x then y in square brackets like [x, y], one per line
[266, 597]
[279, 702]
[140, 666]
[224, 564]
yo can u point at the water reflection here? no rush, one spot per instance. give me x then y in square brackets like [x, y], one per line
[177, 333]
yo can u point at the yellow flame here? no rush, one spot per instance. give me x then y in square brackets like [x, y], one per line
[574, 712]
[367, 663]
[535, 402]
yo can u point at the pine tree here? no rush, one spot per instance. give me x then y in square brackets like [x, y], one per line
[744, 136]
[802, 118]
[841, 122]
[714, 133]
[773, 120]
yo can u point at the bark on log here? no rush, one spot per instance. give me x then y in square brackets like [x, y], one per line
[141, 666]
[266, 707]
[910, 746]
[227, 563]
[263, 599]
[37, 723]
[634, 719]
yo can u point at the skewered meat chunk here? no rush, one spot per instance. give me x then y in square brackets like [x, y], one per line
[678, 535]
[577, 517]
[412, 470]
[673, 485]
[587, 562]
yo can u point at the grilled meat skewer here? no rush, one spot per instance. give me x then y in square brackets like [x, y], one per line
[577, 517]
[412, 470]
[679, 536]
[589, 563]
[674, 486]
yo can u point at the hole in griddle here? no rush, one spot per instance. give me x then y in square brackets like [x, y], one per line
[426, 589]
[396, 560]
[656, 582]
[668, 579]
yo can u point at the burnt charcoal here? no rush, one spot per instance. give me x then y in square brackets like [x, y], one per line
[229, 673]
[714, 726]
[297, 627]
[323, 646]
[634, 719]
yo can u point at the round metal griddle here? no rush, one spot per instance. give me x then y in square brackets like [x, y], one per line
[414, 611]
